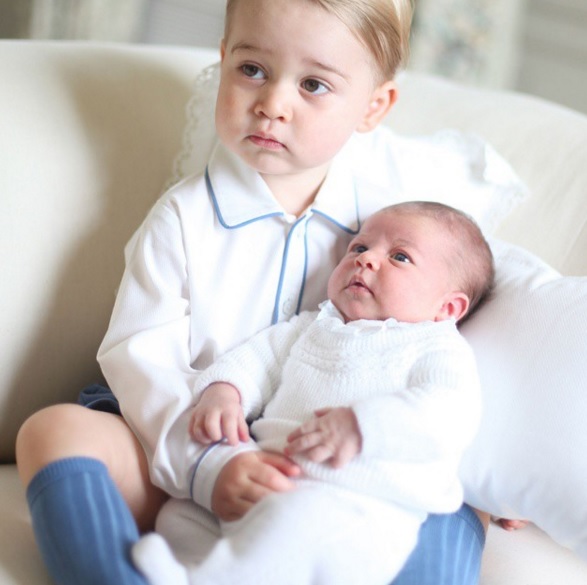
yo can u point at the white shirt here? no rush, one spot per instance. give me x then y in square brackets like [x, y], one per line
[216, 260]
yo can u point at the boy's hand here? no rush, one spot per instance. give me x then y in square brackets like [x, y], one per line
[248, 478]
[333, 435]
[217, 415]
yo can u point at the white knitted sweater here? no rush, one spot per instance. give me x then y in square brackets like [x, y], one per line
[413, 387]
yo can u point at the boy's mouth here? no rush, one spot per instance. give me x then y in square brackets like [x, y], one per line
[266, 141]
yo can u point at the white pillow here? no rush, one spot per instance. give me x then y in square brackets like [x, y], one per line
[529, 458]
[453, 167]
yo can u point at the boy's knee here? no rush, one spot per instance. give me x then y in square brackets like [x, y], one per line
[53, 433]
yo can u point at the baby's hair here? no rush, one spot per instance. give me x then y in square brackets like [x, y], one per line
[383, 26]
[471, 257]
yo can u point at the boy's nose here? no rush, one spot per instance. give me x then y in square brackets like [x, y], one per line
[274, 103]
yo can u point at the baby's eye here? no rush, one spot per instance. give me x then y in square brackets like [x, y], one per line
[314, 87]
[359, 248]
[252, 71]
[401, 257]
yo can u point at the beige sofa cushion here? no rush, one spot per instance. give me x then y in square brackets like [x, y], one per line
[89, 135]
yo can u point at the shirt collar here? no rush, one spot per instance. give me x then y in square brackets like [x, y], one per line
[240, 196]
[337, 200]
[328, 310]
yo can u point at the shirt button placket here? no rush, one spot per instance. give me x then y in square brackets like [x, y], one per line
[293, 277]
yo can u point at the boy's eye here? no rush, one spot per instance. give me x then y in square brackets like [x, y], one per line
[401, 257]
[359, 248]
[314, 87]
[252, 71]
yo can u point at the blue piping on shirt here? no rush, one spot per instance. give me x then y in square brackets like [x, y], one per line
[219, 215]
[303, 287]
[199, 461]
[348, 230]
[275, 317]
[340, 225]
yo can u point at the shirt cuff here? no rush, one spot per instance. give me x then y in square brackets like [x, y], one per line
[208, 467]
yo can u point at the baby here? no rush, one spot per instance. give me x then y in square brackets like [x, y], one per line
[375, 397]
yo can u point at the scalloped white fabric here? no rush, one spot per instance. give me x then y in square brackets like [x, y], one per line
[199, 135]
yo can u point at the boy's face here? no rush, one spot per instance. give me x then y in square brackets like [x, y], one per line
[295, 84]
[397, 266]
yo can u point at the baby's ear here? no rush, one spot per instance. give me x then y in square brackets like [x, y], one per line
[455, 307]
[382, 100]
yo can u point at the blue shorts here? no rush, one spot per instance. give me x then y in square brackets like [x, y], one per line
[450, 546]
[98, 397]
[449, 551]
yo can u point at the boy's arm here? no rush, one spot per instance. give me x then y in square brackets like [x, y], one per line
[145, 355]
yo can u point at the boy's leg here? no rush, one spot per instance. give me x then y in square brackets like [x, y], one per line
[59, 450]
[449, 551]
[68, 430]
[82, 525]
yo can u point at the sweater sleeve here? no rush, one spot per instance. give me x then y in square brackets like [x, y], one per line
[255, 367]
[419, 434]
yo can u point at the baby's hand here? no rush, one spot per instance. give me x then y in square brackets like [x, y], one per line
[217, 415]
[333, 435]
[247, 478]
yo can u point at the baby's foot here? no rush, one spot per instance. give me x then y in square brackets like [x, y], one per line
[153, 557]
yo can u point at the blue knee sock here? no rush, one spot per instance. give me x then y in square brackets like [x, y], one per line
[82, 525]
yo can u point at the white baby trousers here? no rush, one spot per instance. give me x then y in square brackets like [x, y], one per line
[313, 535]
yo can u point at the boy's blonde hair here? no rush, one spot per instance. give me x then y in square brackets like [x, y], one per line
[383, 26]
[470, 258]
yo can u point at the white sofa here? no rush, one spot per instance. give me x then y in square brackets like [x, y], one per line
[89, 135]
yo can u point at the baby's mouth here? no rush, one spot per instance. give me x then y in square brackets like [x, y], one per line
[357, 285]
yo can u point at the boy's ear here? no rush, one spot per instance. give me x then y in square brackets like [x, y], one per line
[382, 100]
[222, 50]
[455, 307]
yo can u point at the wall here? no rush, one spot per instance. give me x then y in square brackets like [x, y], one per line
[105, 20]
[184, 22]
[540, 48]
[553, 63]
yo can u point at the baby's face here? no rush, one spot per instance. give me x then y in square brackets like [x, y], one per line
[397, 266]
